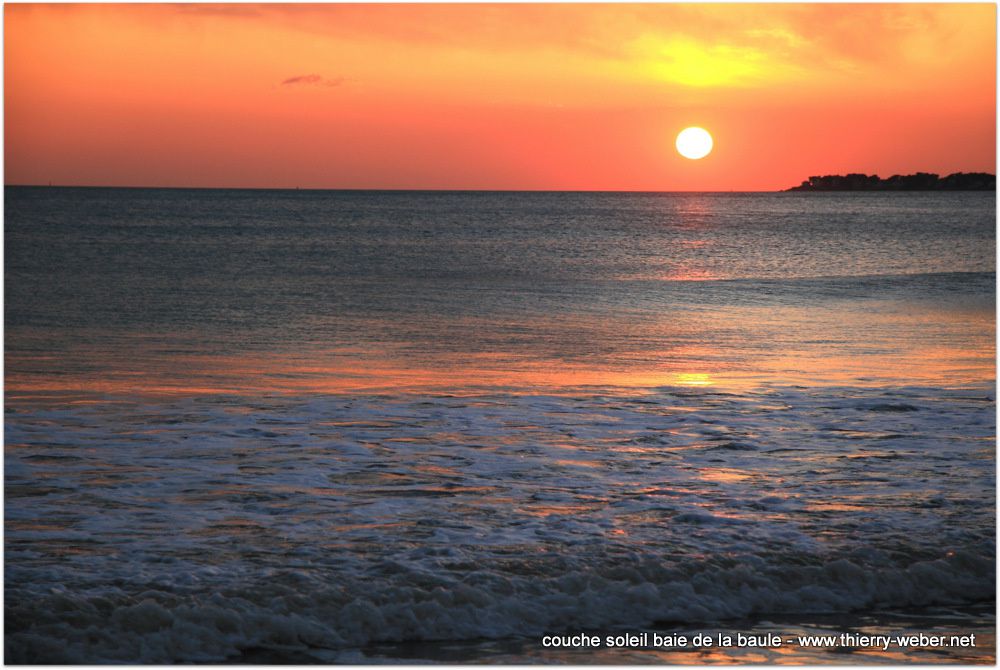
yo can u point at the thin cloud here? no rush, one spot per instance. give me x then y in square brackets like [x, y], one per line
[231, 10]
[312, 80]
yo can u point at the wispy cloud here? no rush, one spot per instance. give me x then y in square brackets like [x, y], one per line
[312, 80]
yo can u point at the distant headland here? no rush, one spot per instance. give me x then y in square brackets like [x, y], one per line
[921, 181]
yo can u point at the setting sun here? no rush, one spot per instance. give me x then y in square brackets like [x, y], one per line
[694, 143]
[407, 326]
[524, 96]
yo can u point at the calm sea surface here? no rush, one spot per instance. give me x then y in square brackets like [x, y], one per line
[354, 426]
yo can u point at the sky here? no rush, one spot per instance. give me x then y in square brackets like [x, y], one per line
[494, 96]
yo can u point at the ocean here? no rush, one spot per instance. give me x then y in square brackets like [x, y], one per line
[362, 426]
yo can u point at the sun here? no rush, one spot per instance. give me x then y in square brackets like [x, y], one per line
[694, 143]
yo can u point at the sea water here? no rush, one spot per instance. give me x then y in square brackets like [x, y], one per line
[350, 426]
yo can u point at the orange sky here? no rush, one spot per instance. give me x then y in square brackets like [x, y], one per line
[560, 96]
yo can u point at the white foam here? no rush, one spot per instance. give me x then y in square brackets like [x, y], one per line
[193, 530]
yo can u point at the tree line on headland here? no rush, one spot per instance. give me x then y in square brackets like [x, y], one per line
[921, 181]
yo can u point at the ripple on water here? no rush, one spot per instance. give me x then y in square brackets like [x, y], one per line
[194, 529]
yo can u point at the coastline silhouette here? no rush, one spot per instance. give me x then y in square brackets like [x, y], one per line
[921, 181]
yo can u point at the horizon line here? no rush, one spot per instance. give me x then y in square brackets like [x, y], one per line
[470, 189]
[439, 190]
[402, 190]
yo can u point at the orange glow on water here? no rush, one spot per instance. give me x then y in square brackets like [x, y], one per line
[693, 379]
[463, 374]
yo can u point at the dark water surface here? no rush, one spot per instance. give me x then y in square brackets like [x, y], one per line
[130, 289]
[360, 426]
